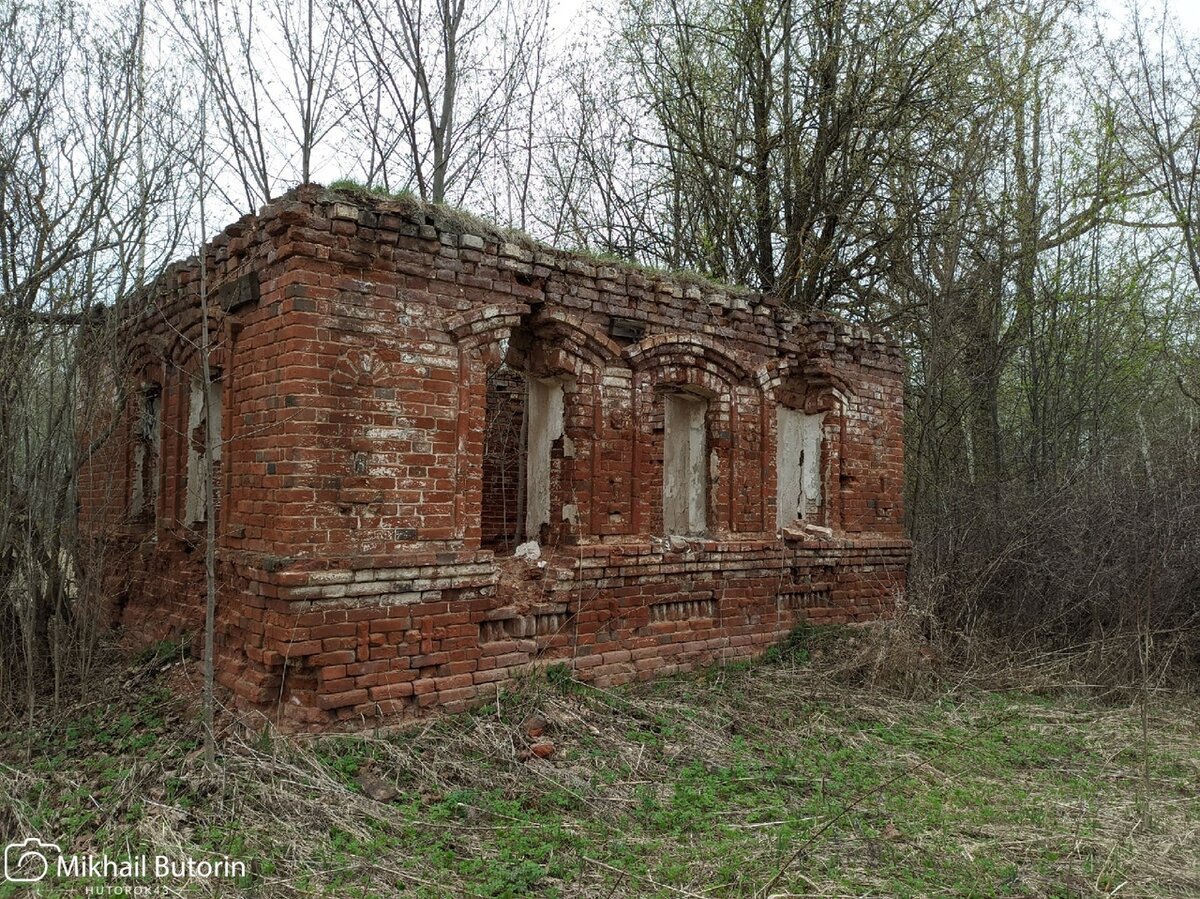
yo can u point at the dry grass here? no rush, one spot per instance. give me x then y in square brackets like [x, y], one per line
[717, 784]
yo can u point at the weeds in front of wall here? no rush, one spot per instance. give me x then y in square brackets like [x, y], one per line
[717, 782]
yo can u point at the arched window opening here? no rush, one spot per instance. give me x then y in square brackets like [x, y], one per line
[544, 417]
[503, 458]
[798, 466]
[147, 453]
[685, 479]
[200, 434]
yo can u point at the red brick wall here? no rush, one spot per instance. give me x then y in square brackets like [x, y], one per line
[355, 338]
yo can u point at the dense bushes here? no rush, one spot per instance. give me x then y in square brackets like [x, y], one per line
[1105, 564]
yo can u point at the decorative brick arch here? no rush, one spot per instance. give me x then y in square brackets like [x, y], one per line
[476, 327]
[698, 350]
[148, 355]
[702, 365]
[360, 368]
[182, 347]
[583, 339]
[180, 343]
[826, 387]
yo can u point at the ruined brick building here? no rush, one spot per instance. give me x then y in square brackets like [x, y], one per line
[401, 397]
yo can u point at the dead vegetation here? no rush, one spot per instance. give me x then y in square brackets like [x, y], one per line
[1091, 582]
[805, 771]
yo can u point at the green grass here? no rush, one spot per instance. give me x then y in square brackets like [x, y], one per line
[714, 783]
[352, 186]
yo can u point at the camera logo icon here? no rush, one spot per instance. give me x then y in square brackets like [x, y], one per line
[29, 860]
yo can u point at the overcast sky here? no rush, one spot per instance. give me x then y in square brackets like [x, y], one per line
[1186, 11]
[573, 20]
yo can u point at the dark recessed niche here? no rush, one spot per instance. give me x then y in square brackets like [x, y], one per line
[626, 331]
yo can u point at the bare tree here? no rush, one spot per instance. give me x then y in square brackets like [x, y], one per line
[208, 475]
[272, 71]
[88, 176]
[1157, 83]
[438, 83]
[777, 125]
[600, 186]
[313, 37]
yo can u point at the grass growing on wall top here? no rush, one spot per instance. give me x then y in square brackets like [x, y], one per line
[349, 185]
[461, 220]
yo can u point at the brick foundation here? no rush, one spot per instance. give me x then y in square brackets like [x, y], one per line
[368, 353]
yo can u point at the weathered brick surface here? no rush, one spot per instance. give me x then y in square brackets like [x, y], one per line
[360, 347]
